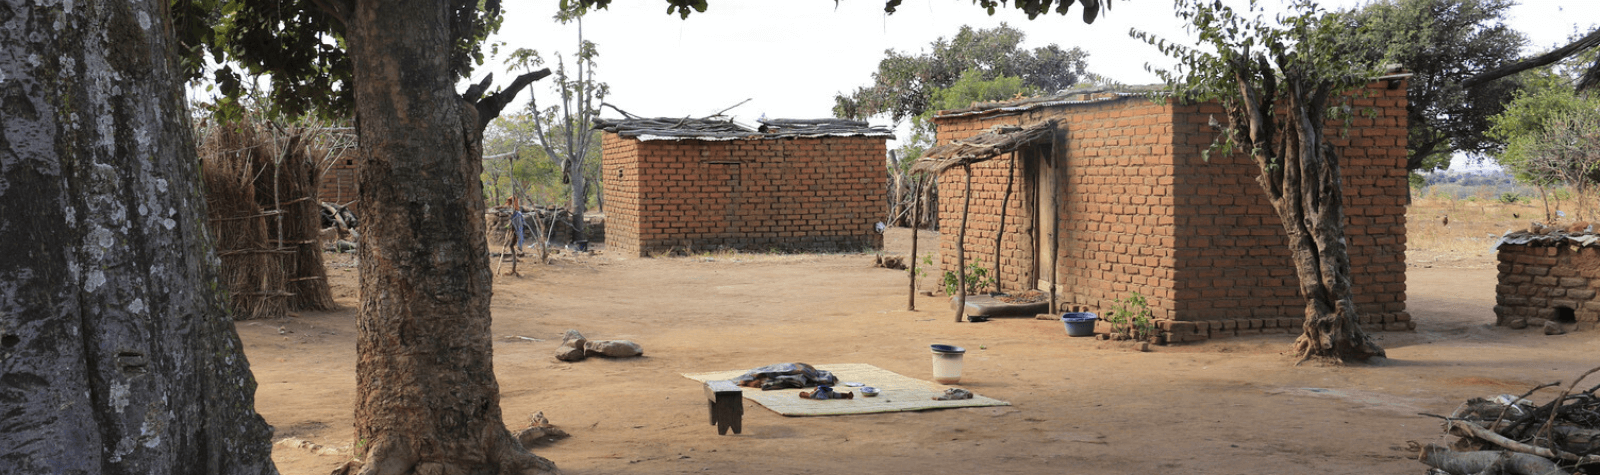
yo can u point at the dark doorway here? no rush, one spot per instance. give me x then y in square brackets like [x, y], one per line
[1565, 315]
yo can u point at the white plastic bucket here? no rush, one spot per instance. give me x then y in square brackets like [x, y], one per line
[947, 363]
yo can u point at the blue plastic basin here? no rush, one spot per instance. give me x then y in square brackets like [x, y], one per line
[1079, 323]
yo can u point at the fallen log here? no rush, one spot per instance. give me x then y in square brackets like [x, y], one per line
[1478, 431]
[1487, 462]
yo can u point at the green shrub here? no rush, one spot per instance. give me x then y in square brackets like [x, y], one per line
[978, 279]
[1131, 318]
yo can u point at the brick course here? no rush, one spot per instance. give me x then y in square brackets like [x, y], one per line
[338, 182]
[814, 194]
[1142, 210]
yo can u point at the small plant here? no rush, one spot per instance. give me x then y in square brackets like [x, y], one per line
[978, 279]
[1131, 318]
[920, 271]
[1511, 198]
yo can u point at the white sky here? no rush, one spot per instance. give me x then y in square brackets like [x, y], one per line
[791, 57]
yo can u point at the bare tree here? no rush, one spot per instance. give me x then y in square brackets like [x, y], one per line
[563, 130]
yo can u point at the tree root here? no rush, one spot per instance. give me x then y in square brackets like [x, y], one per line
[394, 456]
[1358, 348]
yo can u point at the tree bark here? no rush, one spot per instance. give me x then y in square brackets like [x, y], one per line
[426, 397]
[579, 203]
[1300, 174]
[117, 352]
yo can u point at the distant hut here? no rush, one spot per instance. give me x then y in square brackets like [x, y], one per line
[1104, 193]
[690, 185]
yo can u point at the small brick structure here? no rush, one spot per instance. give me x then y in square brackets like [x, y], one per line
[1552, 276]
[687, 185]
[1139, 208]
[338, 183]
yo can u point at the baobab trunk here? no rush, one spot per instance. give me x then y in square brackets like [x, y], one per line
[117, 350]
[426, 396]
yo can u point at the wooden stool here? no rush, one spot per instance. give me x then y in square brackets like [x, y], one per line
[726, 402]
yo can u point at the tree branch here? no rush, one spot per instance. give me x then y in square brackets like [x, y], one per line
[490, 107]
[1589, 41]
[338, 9]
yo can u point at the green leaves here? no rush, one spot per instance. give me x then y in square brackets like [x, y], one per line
[298, 48]
[1442, 42]
[904, 84]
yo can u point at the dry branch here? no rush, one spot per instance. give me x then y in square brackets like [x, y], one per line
[1487, 462]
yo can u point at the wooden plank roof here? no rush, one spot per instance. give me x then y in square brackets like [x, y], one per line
[997, 140]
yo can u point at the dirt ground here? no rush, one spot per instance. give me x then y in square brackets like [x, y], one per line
[1228, 406]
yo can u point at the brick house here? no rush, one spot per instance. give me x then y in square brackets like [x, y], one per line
[1550, 275]
[699, 184]
[338, 182]
[1119, 199]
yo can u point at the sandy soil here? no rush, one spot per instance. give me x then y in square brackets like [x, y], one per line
[1078, 405]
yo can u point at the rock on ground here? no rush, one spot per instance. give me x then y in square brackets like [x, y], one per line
[613, 348]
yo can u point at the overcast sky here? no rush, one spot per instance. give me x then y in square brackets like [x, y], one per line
[790, 58]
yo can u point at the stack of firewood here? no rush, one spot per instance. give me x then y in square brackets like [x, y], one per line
[1512, 435]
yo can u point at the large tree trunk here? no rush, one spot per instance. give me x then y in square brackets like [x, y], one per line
[580, 201]
[1300, 173]
[117, 351]
[426, 396]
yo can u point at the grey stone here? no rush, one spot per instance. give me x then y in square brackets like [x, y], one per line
[1517, 324]
[573, 336]
[570, 353]
[1553, 328]
[613, 348]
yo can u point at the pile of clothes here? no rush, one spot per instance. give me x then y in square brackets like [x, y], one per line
[785, 376]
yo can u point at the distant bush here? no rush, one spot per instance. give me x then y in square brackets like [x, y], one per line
[1511, 198]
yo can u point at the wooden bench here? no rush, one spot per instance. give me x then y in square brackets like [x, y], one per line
[726, 401]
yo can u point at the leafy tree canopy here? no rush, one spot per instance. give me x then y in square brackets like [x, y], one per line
[1442, 42]
[299, 46]
[971, 88]
[1034, 8]
[1538, 111]
[905, 83]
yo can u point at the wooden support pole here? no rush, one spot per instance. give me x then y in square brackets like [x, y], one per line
[916, 222]
[961, 246]
[1055, 219]
[1000, 229]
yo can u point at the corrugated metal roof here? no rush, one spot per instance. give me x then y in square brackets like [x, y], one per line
[1064, 98]
[1554, 238]
[646, 129]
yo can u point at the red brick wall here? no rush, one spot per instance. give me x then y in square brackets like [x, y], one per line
[338, 183]
[1116, 212]
[785, 194]
[1537, 278]
[1141, 210]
